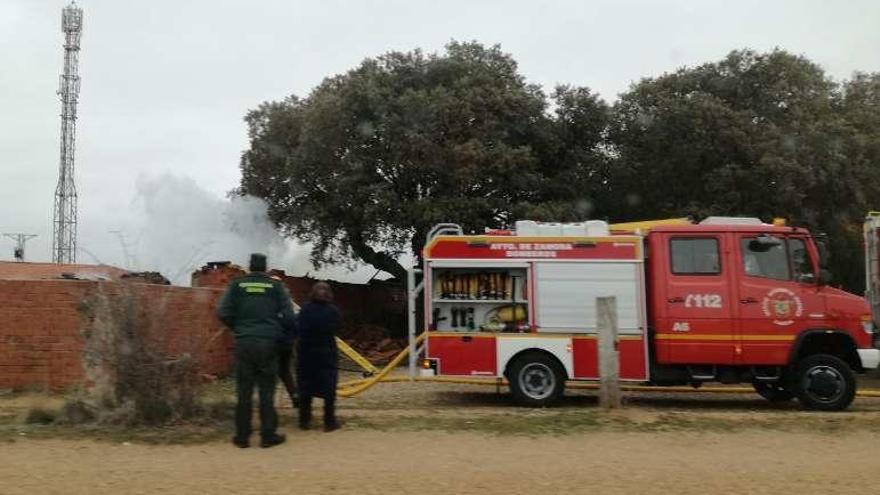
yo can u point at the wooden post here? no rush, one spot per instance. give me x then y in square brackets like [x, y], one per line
[606, 324]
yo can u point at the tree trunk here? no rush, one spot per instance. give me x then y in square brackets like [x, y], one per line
[379, 259]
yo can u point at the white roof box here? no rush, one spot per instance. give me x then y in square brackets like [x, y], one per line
[590, 228]
[732, 221]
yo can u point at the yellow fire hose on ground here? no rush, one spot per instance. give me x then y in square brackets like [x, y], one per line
[356, 357]
[355, 387]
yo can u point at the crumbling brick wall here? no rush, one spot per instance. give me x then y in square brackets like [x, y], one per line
[216, 274]
[41, 323]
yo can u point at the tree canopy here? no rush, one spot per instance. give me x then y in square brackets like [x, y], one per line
[766, 135]
[366, 163]
[371, 159]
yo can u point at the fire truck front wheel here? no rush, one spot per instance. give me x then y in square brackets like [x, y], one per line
[825, 383]
[536, 379]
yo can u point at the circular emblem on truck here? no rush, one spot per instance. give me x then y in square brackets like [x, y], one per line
[782, 305]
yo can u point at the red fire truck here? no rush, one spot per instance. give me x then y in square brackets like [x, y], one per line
[726, 299]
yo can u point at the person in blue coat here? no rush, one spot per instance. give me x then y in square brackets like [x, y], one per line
[317, 355]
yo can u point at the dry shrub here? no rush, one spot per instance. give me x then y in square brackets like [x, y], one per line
[40, 416]
[135, 380]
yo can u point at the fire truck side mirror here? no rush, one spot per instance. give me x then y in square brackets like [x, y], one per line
[825, 276]
[824, 254]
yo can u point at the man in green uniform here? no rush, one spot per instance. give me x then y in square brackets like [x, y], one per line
[258, 310]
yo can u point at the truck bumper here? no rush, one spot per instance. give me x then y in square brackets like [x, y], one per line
[870, 358]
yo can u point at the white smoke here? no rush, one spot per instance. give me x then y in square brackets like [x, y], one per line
[174, 227]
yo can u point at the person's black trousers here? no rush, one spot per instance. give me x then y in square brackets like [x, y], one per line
[256, 364]
[305, 410]
[317, 378]
[316, 375]
[285, 356]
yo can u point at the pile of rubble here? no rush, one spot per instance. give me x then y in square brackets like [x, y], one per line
[216, 274]
[146, 278]
[373, 343]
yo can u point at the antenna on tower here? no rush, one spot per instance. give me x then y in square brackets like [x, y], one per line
[20, 240]
[64, 239]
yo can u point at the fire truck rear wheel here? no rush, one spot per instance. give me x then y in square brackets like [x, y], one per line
[825, 383]
[536, 379]
[773, 392]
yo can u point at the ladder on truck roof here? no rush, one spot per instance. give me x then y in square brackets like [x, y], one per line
[642, 226]
[646, 225]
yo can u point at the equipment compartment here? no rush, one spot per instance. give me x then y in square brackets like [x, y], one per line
[480, 299]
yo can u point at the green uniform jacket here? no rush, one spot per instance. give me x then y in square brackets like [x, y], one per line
[257, 306]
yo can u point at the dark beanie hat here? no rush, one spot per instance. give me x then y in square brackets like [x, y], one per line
[258, 262]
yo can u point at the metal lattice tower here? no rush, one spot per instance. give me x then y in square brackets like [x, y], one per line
[64, 239]
[20, 240]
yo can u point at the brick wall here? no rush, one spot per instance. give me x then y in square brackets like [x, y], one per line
[41, 324]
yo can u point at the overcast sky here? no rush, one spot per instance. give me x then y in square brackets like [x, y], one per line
[165, 83]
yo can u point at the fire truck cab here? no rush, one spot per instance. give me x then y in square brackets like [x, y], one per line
[728, 299]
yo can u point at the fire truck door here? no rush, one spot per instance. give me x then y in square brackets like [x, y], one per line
[777, 296]
[698, 327]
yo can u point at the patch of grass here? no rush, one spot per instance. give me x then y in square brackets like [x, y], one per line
[214, 424]
[218, 391]
[549, 422]
[8, 416]
[179, 434]
[431, 407]
[74, 417]
[222, 410]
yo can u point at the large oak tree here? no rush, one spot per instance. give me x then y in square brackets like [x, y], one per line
[371, 159]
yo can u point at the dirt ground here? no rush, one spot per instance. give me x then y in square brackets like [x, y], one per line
[367, 463]
[435, 438]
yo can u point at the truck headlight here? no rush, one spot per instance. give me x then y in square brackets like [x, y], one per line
[868, 324]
